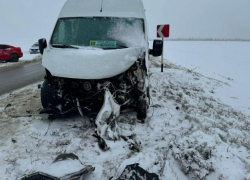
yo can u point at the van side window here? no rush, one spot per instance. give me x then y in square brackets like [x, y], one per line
[61, 35]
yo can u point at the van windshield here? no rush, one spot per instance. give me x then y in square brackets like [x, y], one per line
[106, 33]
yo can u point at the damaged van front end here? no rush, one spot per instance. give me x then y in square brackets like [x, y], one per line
[96, 63]
[89, 54]
[79, 82]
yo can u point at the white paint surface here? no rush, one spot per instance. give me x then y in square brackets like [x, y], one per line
[89, 63]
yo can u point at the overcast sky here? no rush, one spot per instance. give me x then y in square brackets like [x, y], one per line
[26, 20]
[201, 18]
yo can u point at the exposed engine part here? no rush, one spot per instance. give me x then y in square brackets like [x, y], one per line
[87, 86]
[74, 85]
[108, 96]
[79, 107]
[126, 88]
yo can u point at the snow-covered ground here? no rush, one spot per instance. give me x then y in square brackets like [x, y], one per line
[26, 58]
[197, 127]
[225, 61]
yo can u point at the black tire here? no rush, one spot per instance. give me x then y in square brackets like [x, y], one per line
[142, 106]
[14, 58]
[49, 96]
[149, 97]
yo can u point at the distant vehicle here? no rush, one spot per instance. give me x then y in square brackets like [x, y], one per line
[10, 53]
[34, 48]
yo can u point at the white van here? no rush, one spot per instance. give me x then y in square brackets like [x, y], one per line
[97, 44]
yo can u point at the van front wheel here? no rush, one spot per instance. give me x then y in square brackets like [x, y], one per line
[142, 106]
[49, 96]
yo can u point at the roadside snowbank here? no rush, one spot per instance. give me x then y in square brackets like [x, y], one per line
[27, 57]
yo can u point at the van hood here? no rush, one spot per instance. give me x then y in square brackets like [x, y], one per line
[89, 63]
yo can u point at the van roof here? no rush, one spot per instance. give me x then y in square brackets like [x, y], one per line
[110, 8]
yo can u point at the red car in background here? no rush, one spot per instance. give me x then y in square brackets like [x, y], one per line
[10, 53]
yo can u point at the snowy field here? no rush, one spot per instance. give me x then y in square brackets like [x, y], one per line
[27, 57]
[198, 125]
[228, 62]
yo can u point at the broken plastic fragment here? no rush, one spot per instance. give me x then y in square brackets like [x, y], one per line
[65, 166]
[106, 118]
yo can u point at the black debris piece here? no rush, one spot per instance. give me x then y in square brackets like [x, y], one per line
[39, 176]
[156, 106]
[65, 156]
[101, 142]
[8, 105]
[13, 140]
[135, 172]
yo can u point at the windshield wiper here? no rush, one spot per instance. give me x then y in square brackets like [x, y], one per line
[117, 45]
[122, 46]
[63, 46]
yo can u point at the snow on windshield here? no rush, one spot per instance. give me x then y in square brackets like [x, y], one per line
[114, 32]
[132, 33]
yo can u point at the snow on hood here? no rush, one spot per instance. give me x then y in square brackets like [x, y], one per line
[89, 63]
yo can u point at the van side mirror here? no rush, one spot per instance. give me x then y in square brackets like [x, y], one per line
[157, 48]
[42, 45]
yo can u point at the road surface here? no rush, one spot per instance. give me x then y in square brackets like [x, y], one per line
[15, 77]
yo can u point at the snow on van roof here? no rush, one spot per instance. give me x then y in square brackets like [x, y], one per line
[103, 8]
